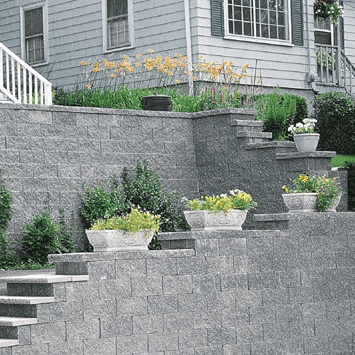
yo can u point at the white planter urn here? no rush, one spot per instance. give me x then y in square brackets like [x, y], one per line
[306, 142]
[118, 240]
[210, 220]
[301, 202]
[334, 205]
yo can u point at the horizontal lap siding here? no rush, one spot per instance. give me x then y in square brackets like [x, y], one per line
[280, 65]
[75, 33]
[349, 29]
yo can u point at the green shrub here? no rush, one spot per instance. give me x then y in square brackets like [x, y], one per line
[335, 115]
[143, 188]
[99, 201]
[7, 256]
[43, 236]
[278, 111]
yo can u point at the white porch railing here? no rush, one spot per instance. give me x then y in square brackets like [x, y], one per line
[334, 67]
[20, 82]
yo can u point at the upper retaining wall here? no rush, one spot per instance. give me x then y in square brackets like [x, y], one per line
[47, 153]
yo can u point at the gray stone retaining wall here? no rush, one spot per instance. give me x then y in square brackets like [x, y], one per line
[47, 153]
[281, 292]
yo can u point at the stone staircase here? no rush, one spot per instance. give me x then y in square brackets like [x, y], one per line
[26, 305]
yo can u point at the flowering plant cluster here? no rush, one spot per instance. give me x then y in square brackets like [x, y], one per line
[327, 189]
[328, 9]
[135, 221]
[306, 127]
[235, 200]
[155, 71]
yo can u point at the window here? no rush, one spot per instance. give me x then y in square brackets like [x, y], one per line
[33, 34]
[259, 18]
[323, 32]
[117, 24]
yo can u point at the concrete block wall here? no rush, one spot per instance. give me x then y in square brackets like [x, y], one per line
[47, 153]
[284, 292]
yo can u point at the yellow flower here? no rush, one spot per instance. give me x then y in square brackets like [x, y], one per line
[113, 75]
[150, 50]
[201, 57]
[83, 64]
[88, 86]
[138, 55]
[178, 81]
[96, 70]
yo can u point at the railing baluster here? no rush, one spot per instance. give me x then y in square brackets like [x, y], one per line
[2, 68]
[19, 88]
[24, 71]
[7, 73]
[41, 92]
[36, 91]
[30, 99]
[13, 76]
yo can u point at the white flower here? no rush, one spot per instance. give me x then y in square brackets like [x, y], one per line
[299, 125]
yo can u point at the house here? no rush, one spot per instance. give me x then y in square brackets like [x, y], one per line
[279, 39]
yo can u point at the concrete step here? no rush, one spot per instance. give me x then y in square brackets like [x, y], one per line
[8, 342]
[44, 279]
[25, 300]
[16, 321]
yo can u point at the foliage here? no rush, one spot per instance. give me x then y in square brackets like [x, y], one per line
[306, 127]
[350, 167]
[328, 9]
[343, 160]
[236, 200]
[328, 190]
[7, 257]
[278, 111]
[99, 201]
[149, 70]
[43, 236]
[144, 188]
[135, 221]
[335, 115]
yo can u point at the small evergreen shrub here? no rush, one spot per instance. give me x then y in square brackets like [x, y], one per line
[7, 256]
[278, 111]
[335, 115]
[43, 236]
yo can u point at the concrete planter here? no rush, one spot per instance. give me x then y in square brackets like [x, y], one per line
[118, 240]
[306, 142]
[334, 205]
[209, 220]
[301, 202]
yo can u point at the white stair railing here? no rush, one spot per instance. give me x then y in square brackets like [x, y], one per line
[20, 82]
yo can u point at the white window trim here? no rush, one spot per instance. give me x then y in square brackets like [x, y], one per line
[104, 28]
[45, 31]
[255, 39]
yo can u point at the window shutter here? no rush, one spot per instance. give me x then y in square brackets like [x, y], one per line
[297, 22]
[217, 18]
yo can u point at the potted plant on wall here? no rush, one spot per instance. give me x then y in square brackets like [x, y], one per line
[324, 9]
[130, 232]
[221, 212]
[311, 194]
[304, 136]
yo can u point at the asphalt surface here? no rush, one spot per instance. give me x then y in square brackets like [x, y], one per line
[9, 273]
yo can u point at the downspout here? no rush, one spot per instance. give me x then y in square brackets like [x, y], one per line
[188, 45]
[312, 77]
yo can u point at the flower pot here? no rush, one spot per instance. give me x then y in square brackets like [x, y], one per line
[210, 220]
[118, 240]
[306, 142]
[334, 205]
[301, 202]
[156, 103]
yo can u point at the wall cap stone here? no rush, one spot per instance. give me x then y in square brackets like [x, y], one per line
[302, 155]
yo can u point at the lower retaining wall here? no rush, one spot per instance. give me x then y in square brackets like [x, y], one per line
[288, 291]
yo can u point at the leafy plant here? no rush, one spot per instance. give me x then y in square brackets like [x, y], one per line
[236, 200]
[143, 188]
[135, 221]
[100, 201]
[335, 115]
[7, 256]
[327, 190]
[43, 236]
[324, 9]
[306, 127]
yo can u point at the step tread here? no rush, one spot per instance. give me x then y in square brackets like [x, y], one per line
[44, 278]
[16, 321]
[25, 300]
[8, 342]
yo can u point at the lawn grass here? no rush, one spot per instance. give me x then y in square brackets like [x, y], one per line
[340, 160]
